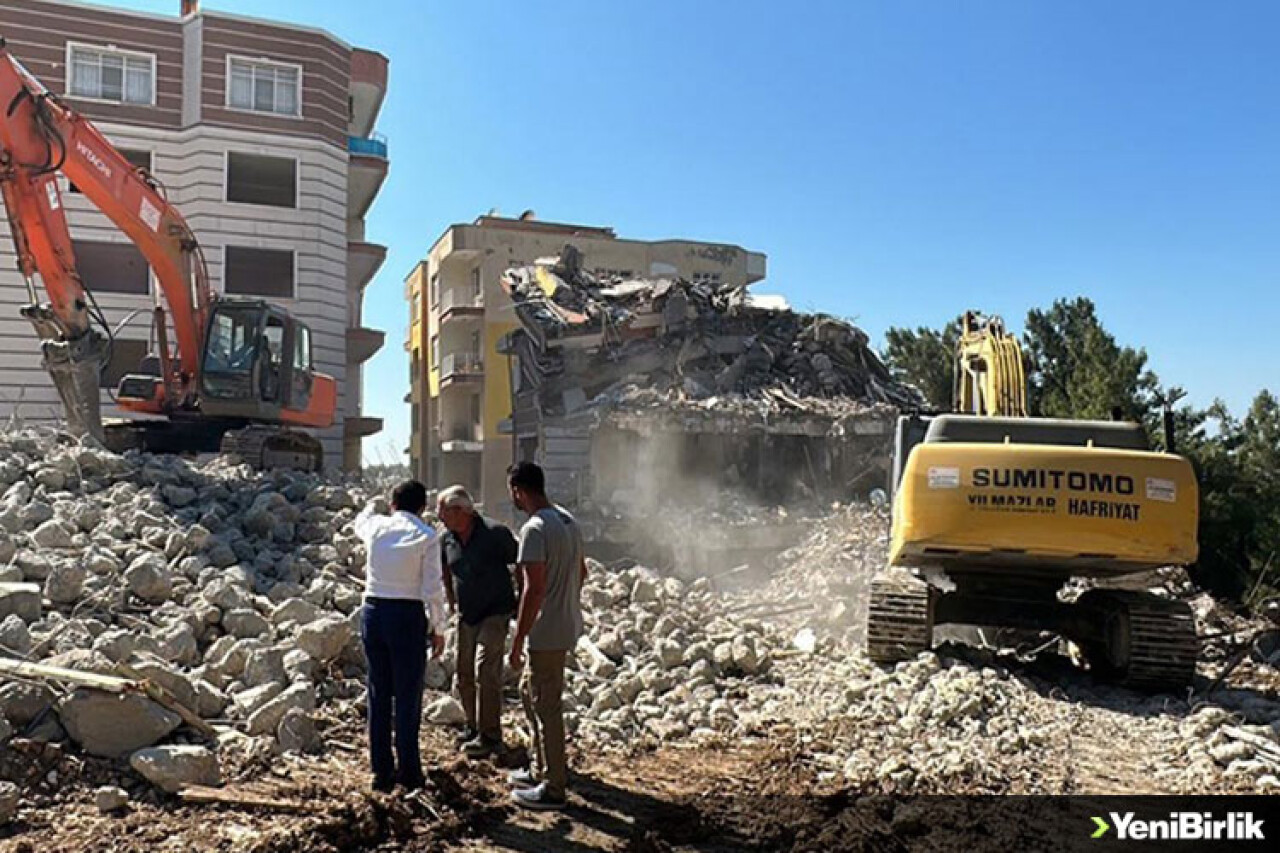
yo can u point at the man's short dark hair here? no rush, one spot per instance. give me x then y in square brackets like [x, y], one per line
[410, 496]
[528, 477]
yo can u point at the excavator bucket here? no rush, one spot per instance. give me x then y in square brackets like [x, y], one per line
[75, 367]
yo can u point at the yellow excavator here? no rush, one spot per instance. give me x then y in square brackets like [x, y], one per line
[994, 512]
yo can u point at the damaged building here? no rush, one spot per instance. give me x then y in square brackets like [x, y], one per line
[637, 395]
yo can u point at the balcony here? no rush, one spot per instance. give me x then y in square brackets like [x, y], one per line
[368, 89]
[368, 171]
[362, 343]
[461, 438]
[363, 262]
[461, 367]
[455, 305]
[361, 427]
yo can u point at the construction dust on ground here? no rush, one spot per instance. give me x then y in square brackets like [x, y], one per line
[182, 671]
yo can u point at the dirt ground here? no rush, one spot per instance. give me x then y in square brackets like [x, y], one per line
[758, 794]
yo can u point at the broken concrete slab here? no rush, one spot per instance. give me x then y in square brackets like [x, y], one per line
[20, 599]
[171, 768]
[113, 725]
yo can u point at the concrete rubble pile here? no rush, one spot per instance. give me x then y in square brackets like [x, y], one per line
[700, 346]
[233, 591]
[668, 660]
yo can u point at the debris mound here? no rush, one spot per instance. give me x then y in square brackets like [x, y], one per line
[673, 342]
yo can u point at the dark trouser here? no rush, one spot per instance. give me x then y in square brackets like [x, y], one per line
[489, 638]
[395, 644]
[542, 691]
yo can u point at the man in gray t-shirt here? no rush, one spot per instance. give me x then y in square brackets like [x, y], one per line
[549, 619]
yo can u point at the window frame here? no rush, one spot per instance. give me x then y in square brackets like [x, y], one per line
[124, 53]
[297, 180]
[120, 244]
[293, 289]
[262, 60]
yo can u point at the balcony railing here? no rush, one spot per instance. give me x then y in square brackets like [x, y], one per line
[461, 364]
[460, 299]
[373, 146]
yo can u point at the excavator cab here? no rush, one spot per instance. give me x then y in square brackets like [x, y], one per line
[256, 362]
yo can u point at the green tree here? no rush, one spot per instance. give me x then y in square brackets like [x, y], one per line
[924, 358]
[1075, 368]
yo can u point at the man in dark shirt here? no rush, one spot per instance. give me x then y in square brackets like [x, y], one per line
[476, 557]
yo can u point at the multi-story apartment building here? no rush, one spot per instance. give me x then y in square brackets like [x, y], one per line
[262, 134]
[460, 384]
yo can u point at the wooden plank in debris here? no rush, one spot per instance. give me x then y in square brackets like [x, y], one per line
[201, 795]
[42, 672]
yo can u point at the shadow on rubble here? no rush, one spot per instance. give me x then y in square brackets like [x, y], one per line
[1055, 675]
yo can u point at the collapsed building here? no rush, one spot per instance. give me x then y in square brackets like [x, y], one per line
[641, 395]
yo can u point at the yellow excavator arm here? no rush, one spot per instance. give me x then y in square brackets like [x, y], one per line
[990, 378]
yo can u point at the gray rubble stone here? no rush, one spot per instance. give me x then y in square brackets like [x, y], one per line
[110, 799]
[15, 637]
[177, 644]
[264, 666]
[148, 578]
[243, 623]
[171, 768]
[267, 719]
[300, 666]
[325, 638]
[210, 701]
[35, 566]
[297, 732]
[670, 654]
[52, 534]
[111, 725]
[294, 610]
[20, 599]
[246, 702]
[179, 496]
[446, 711]
[21, 702]
[65, 583]
[10, 798]
[6, 730]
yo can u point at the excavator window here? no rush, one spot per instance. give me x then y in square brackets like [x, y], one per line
[231, 351]
[272, 357]
[302, 375]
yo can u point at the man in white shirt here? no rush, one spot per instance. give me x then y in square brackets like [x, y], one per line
[403, 601]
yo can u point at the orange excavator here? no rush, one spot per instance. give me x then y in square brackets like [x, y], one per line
[239, 378]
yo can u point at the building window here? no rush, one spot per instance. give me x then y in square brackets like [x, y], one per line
[435, 289]
[112, 267]
[258, 272]
[111, 74]
[138, 159]
[126, 357]
[258, 179]
[435, 352]
[477, 286]
[264, 86]
[706, 278]
[475, 408]
[606, 273]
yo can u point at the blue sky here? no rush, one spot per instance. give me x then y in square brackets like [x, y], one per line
[898, 161]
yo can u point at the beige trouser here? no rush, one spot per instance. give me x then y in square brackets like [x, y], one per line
[490, 638]
[541, 691]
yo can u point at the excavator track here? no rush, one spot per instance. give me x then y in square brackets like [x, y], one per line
[899, 617]
[1148, 643]
[267, 447]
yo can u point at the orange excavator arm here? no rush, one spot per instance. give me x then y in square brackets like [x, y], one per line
[40, 137]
